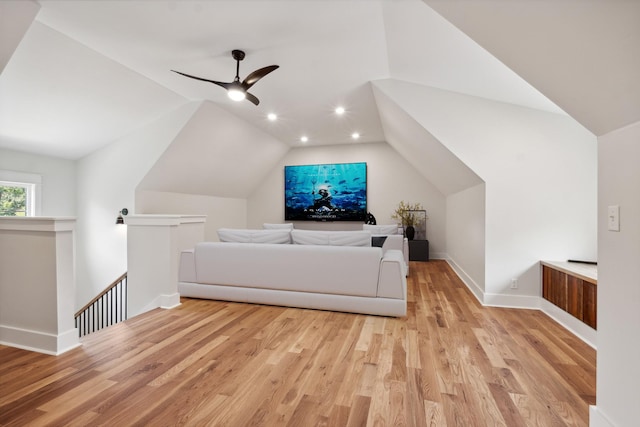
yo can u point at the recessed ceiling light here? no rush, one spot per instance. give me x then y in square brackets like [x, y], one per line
[355, 135]
[272, 116]
[339, 110]
[304, 139]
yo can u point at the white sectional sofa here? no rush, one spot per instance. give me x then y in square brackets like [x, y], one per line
[332, 271]
[393, 239]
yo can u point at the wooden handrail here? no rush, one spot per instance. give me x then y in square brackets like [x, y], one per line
[101, 294]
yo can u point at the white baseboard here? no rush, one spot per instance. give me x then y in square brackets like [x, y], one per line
[512, 301]
[575, 326]
[41, 342]
[598, 419]
[161, 301]
[466, 279]
[169, 301]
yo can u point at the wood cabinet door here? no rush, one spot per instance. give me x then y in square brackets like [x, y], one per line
[574, 296]
[554, 287]
[590, 305]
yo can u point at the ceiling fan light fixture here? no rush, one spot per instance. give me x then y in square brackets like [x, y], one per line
[237, 90]
[236, 94]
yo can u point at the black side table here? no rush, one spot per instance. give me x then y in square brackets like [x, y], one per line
[418, 250]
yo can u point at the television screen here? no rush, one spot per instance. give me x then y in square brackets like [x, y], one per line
[329, 192]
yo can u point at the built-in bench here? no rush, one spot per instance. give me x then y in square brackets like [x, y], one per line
[573, 287]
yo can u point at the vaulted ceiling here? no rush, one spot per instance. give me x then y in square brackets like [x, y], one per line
[78, 75]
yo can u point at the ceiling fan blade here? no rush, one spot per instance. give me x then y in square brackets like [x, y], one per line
[252, 98]
[257, 75]
[221, 84]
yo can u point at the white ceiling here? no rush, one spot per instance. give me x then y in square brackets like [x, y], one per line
[87, 73]
[584, 55]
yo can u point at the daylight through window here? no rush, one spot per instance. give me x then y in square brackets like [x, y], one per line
[16, 199]
[19, 193]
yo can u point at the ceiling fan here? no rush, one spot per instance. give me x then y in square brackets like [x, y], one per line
[238, 90]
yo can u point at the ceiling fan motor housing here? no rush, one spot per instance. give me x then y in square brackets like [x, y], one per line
[237, 54]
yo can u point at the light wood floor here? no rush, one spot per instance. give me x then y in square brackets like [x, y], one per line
[450, 362]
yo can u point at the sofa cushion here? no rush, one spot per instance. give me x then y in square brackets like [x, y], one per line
[254, 236]
[331, 238]
[302, 268]
[269, 226]
[381, 230]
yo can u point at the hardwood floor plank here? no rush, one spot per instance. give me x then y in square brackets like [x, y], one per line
[450, 362]
[14, 393]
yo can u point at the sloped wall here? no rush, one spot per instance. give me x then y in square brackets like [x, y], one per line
[106, 183]
[12, 30]
[215, 154]
[210, 168]
[540, 172]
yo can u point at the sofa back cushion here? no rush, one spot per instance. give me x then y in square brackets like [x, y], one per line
[254, 236]
[381, 230]
[331, 238]
[269, 226]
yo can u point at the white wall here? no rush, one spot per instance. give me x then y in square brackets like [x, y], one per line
[153, 251]
[37, 284]
[57, 191]
[540, 171]
[220, 211]
[466, 236]
[216, 154]
[390, 179]
[107, 180]
[618, 373]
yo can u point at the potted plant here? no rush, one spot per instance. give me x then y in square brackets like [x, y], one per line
[404, 213]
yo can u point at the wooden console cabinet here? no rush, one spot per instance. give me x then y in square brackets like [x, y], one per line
[573, 287]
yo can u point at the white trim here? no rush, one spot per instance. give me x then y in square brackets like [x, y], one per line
[566, 320]
[169, 301]
[438, 255]
[163, 301]
[153, 220]
[577, 327]
[40, 342]
[467, 280]
[39, 223]
[597, 418]
[512, 301]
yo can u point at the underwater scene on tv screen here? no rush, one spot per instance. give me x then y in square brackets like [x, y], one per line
[326, 192]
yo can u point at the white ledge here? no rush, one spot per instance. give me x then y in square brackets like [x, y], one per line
[37, 223]
[154, 220]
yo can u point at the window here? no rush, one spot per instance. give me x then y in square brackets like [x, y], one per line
[19, 194]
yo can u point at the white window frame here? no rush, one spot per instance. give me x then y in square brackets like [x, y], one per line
[31, 182]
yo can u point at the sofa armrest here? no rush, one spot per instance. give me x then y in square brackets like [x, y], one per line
[405, 251]
[398, 242]
[187, 271]
[392, 281]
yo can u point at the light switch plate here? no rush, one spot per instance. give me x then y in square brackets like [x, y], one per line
[613, 218]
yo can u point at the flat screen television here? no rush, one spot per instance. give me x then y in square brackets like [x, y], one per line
[326, 192]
